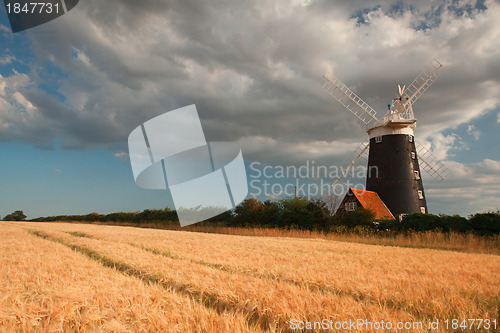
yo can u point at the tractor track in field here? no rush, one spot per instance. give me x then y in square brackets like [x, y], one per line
[325, 289]
[264, 319]
[313, 287]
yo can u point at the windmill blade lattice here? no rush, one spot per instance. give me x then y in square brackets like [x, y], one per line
[422, 82]
[431, 164]
[349, 99]
[361, 153]
[392, 145]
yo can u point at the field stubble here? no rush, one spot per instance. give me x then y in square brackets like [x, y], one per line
[254, 283]
[47, 287]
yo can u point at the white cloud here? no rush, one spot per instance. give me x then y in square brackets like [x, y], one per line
[472, 131]
[16, 111]
[470, 188]
[7, 60]
[489, 166]
[254, 71]
[440, 145]
[122, 156]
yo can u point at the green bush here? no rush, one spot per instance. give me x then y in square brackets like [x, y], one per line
[289, 213]
[269, 216]
[388, 225]
[320, 214]
[18, 215]
[247, 212]
[360, 216]
[339, 229]
[364, 230]
[304, 214]
[454, 223]
[420, 222]
[294, 211]
[485, 223]
[223, 219]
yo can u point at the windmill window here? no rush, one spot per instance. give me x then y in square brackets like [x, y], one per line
[417, 175]
[378, 139]
[350, 206]
[413, 156]
[420, 194]
[410, 138]
[422, 210]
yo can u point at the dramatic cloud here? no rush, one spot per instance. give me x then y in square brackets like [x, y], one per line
[253, 70]
[470, 188]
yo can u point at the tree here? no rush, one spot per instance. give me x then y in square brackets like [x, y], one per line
[18, 215]
[304, 213]
[246, 213]
[360, 216]
[270, 214]
[454, 223]
[421, 222]
[331, 201]
[485, 223]
[294, 213]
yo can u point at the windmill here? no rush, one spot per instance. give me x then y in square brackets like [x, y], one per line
[393, 155]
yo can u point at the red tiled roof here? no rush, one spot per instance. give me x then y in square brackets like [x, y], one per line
[371, 200]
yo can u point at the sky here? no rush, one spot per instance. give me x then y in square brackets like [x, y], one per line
[73, 89]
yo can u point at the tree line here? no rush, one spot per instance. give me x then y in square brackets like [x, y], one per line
[301, 214]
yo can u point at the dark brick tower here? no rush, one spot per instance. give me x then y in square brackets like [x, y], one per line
[393, 165]
[394, 172]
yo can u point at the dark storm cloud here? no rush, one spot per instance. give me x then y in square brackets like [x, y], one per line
[253, 69]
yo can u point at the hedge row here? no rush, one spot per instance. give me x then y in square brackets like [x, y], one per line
[481, 223]
[306, 214]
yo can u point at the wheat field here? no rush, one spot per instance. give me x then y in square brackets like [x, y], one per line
[59, 277]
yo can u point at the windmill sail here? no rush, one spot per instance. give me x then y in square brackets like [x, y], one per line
[422, 82]
[431, 164]
[349, 99]
[360, 153]
[392, 148]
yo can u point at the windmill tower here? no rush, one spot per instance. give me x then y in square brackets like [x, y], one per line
[393, 154]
